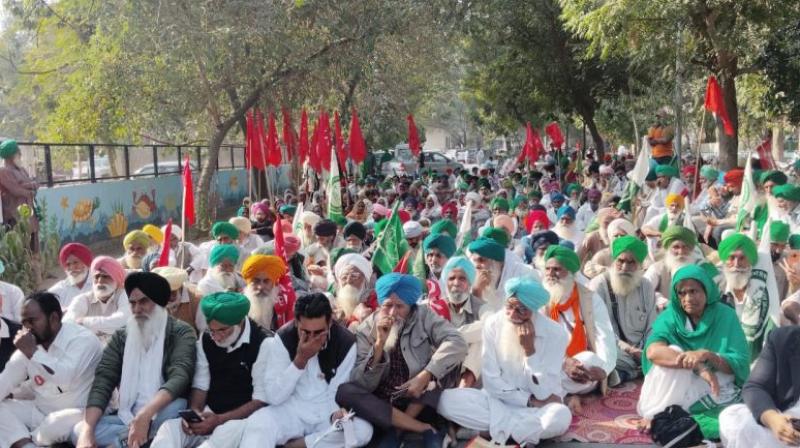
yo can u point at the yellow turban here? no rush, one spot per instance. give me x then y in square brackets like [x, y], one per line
[155, 233]
[136, 236]
[272, 265]
[673, 198]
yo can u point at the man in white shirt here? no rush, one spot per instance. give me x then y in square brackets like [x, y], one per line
[588, 210]
[75, 259]
[522, 357]
[222, 275]
[11, 298]
[105, 308]
[60, 359]
[248, 242]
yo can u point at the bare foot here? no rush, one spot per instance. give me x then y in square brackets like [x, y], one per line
[573, 402]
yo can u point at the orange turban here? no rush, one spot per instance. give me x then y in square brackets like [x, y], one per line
[271, 265]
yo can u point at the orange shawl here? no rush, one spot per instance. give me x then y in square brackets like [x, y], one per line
[577, 341]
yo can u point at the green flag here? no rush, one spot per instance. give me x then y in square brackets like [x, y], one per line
[747, 198]
[635, 179]
[465, 230]
[391, 244]
[335, 192]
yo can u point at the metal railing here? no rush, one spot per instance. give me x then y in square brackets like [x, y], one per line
[68, 163]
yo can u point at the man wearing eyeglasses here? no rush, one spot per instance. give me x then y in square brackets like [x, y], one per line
[227, 385]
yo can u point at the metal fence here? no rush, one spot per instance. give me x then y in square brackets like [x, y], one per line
[68, 163]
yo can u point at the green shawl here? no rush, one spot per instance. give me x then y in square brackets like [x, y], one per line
[718, 331]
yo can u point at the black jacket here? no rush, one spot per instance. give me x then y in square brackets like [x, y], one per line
[774, 382]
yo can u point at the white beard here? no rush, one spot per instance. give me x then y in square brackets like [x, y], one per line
[509, 350]
[457, 297]
[75, 280]
[103, 291]
[394, 335]
[566, 232]
[673, 218]
[347, 299]
[226, 279]
[146, 332]
[559, 289]
[623, 283]
[737, 278]
[674, 263]
[262, 306]
[490, 294]
[230, 340]
[133, 261]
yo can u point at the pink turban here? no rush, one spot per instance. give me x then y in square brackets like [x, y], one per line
[380, 210]
[285, 225]
[110, 267]
[81, 252]
[259, 206]
[291, 244]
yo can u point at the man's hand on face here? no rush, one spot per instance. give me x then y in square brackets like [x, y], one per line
[526, 335]
[383, 328]
[484, 279]
[25, 342]
[308, 347]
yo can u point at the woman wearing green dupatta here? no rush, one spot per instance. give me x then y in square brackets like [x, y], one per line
[696, 356]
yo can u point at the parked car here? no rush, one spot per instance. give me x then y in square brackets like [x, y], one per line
[405, 162]
[170, 167]
[102, 168]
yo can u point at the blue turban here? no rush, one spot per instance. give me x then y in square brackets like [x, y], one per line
[407, 287]
[462, 263]
[556, 196]
[528, 291]
[566, 210]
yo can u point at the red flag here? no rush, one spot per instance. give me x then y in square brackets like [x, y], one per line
[325, 142]
[358, 149]
[764, 151]
[413, 136]
[528, 146]
[279, 244]
[262, 141]
[273, 148]
[313, 155]
[253, 153]
[163, 260]
[303, 150]
[188, 193]
[554, 132]
[341, 150]
[288, 135]
[715, 104]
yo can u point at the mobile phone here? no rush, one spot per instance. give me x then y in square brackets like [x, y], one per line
[190, 416]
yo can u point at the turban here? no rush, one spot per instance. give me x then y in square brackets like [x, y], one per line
[566, 210]
[594, 193]
[651, 175]
[629, 243]
[407, 287]
[136, 236]
[735, 242]
[357, 260]
[543, 238]
[568, 258]
[462, 263]
[380, 210]
[537, 216]
[556, 197]
[271, 265]
[673, 198]
[535, 194]
[500, 203]
[774, 176]
[228, 308]
[81, 252]
[689, 170]
[148, 260]
[449, 207]
[325, 227]
[442, 241]
[666, 170]
[154, 232]
[403, 215]
[356, 229]
[339, 252]
[484, 183]
[287, 209]
[498, 234]
[176, 231]
[152, 285]
[606, 170]
[528, 291]
[488, 248]
[474, 197]
[108, 266]
[620, 225]
[8, 149]
[519, 200]
[224, 228]
[291, 244]
[788, 192]
[709, 172]
[259, 207]
[571, 188]
[285, 227]
[505, 222]
[794, 242]
[778, 232]
[412, 229]
[678, 233]
[444, 226]
[242, 224]
[310, 218]
[176, 277]
[734, 176]
[221, 252]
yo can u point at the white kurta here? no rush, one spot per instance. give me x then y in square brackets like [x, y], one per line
[11, 298]
[738, 428]
[584, 216]
[102, 318]
[66, 291]
[501, 407]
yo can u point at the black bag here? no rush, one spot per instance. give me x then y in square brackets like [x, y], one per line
[675, 428]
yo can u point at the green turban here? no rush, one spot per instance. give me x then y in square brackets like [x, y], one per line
[224, 228]
[498, 234]
[442, 241]
[778, 232]
[518, 200]
[775, 176]
[222, 252]
[136, 236]
[567, 257]
[8, 149]
[629, 243]
[787, 191]
[229, 308]
[735, 242]
[484, 182]
[709, 172]
[488, 248]
[651, 175]
[535, 194]
[445, 226]
[794, 242]
[339, 252]
[666, 170]
[500, 203]
[287, 209]
[571, 188]
[678, 233]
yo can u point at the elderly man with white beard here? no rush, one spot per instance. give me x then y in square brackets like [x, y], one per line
[601, 260]
[672, 216]
[222, 275]
[489, 258]
[262, 274]
[228, 380]
[522, 357]
[75, 259]
[137, 244]
[751, 289]
[678, 244]
[592, 350]
[354, 298]
[150, 361]
[566, 228]
[631, 300]
[104, 309]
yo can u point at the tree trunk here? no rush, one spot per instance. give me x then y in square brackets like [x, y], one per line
[728, 145]
[597, 139]
[778, 139]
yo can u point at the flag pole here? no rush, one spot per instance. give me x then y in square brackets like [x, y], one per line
[695, 188]
[183, 226]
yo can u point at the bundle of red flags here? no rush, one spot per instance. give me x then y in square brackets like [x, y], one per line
[532, 147]
[413, 136]
[556, 137]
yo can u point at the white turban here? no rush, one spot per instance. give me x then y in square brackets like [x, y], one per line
[176, 277]
[606, 170]
[310, 218]
[474, 197]
[241, 223]
[412, 229]
[620, 225]
[357, 260]
[176, 231]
